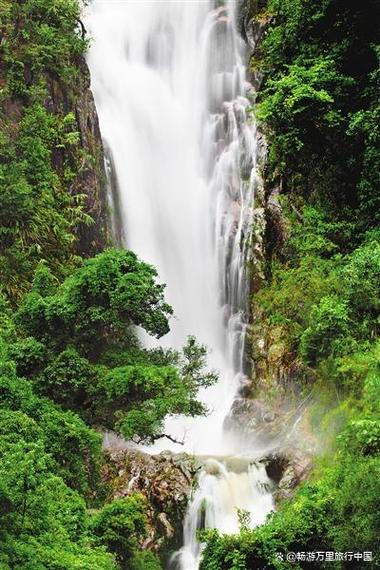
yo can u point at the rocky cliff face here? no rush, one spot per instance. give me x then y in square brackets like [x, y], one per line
[268, 351]
[166, 480]
[42, 65]
[91, 177]
[54, 202]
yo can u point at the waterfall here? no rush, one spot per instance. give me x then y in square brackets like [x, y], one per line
[169, 83]
[222, 491]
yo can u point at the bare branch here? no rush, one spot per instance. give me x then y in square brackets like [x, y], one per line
[153, 438]
[173, 439]
[82, 27]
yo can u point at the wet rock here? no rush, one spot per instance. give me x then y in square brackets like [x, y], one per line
[276, 464]
[269, 417]
[262, 150]
[167, 527]
[258, 257]
[245, 385]
[166, 480]
[276, 225]
[254, 31]
[253, 22]
[92, 176]
[250, 91]
[90, 180]
[288, 469]
[247, 416]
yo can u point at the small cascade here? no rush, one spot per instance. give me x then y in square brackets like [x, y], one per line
[226, 488]
[170, 88]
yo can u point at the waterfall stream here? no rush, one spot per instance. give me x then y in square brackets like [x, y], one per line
[169, 84]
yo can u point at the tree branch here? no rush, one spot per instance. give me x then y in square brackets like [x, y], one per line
[154, 438]
[171, 438]
[82, 27]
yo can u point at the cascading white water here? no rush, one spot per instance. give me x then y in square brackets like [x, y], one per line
[223, 490]
[169, 85]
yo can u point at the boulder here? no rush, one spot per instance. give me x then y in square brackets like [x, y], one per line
[166, 480]
[287, 468]
[247, 417]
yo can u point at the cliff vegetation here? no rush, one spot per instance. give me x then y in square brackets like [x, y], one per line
[319, 305]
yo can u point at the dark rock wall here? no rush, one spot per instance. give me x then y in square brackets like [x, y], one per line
[268, 352]
[165, 480]
[91, 178]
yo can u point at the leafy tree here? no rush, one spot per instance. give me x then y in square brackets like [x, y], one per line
[101, 300]
[121, 525]
[84, 331]
[42, 518]
[74, 447]
[74, 357]
[69, 379]
[362, 283]
[319, 104]
[330, 323]
[144, 560]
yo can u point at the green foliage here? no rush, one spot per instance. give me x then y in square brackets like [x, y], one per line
[121, 525]
[42, 208]
[40, 37]
[81, 351]
[295, 99]
[337, 320]
[288, 305]
[371, 388]
[330, 325]
[361, 277]
[44, 283]
[244, 519]
[329, 303]
[317, 235]
[362, 436]
[137, 397]
[144, 560]
[73, 446]
[335, 312]
[309, 258]
[320, 104]
[32, 554]
[70, 355]
[319, 107]
[355, 506]
[160, 388]
[28, 354]
[36, 505]
[357, 373]
[104, 297]
[68, 379]
[364, 125]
